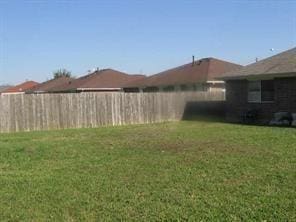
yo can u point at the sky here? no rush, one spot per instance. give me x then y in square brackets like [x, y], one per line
[137, 36]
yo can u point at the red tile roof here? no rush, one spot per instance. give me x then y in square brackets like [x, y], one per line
[100, 80]
[4, 87]
[21, 87]
[203, 70]
[50, 85]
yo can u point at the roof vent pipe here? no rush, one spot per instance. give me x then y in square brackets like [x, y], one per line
[193, 60]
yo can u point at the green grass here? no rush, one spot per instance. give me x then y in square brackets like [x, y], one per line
[192, 170]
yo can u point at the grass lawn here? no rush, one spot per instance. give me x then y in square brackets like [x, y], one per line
[191, 170]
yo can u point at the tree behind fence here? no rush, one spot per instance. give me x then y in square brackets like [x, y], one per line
[73, 110]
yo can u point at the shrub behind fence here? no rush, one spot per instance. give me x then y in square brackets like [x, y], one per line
[79, 110]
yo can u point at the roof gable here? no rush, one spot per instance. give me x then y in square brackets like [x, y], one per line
[50, 85]
[200, 71]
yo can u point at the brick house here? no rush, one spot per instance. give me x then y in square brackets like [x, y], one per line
[264, 87]
[199, 75]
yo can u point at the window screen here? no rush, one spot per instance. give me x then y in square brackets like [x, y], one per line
[261, 91]
[169, 89]
[254, 91]
[185, 87]
[267, 90]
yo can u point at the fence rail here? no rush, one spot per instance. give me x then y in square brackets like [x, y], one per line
[60, 111]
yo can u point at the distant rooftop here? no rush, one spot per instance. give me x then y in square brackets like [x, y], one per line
[203, 70]
[4, 87]
[21, 87]
[101, 79]
[50, 85]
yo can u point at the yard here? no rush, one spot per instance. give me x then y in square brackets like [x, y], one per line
[191, 170]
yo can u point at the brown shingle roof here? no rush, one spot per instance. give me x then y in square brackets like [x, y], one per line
[102, 79]
[203, 70]
[280, 64]
[50, 85]
[21, 87]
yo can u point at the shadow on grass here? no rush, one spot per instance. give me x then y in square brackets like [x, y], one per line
[214, 111]
[209, 111]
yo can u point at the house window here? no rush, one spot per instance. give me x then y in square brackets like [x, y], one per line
[261, 91]
[200, 87]
[131, 90]
[185, 88]
[169, 89]
[151, 89]
[254, 91]
[267, 91]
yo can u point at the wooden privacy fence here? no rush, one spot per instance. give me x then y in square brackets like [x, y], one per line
[79, 110]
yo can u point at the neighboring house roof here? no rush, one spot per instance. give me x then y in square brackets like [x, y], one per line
[282, 64]
[200, 71]
[21, 87]
[4, 87]
[50, 85]
[105, 79]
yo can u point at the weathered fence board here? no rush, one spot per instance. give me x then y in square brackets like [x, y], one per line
[60, 111]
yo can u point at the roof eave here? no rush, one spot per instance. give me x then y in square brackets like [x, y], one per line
[97, 89]
[259, 76]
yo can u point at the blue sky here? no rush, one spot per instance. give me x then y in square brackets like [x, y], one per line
[38, 37]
